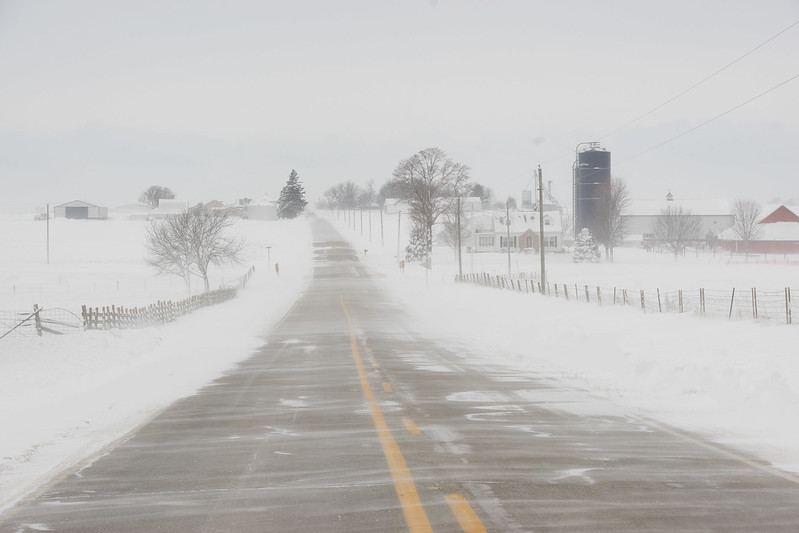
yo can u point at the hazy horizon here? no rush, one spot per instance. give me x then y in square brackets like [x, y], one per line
[222, 101]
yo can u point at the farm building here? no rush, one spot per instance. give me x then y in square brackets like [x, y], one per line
[78, 209]
[778, 233]
[264, 208]
[168, 208]
[715, 216]
[489, 231]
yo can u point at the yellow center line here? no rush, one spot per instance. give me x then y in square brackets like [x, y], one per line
[464, 514]
[411, 426]
[415, 516]
[387, 387]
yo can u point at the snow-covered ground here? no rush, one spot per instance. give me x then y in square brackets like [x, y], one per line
[62, 398]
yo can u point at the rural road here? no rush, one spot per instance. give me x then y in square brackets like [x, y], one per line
[348, 420]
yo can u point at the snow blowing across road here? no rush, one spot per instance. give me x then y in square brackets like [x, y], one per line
[64, 398]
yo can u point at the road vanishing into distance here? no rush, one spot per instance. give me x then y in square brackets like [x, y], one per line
[349, 420]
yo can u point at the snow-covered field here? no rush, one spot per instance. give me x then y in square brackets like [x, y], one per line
[62, 398]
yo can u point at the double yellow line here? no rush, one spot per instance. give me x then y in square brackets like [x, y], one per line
[414, 513]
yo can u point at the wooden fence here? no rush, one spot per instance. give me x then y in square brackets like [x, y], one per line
[777, 306]
[113, 317]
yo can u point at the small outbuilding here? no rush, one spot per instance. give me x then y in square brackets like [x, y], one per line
[264, 208]
[81, 210]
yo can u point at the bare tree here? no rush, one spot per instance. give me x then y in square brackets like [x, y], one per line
[168, 248]
[746, 221]
[610, 231]
[154, 194]
[567, 225]
[343, 196]
[367, 197]
[430, 181]
[188, 244]
[453, 233]
[676, 228]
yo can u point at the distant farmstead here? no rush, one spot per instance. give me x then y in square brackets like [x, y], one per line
[168, 208]
[80, 210]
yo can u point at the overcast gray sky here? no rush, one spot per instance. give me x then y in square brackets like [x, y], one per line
[220, 100]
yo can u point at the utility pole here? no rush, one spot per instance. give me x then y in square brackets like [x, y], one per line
[507, 223]
[541, 228]
[458, 222]
[399, 225]
[47, 216]
[471, 256]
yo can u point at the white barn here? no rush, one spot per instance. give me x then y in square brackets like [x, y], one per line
[715, 216]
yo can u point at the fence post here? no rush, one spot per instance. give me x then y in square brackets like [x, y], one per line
[624, 296]
[732, 300]
[37, 319]
[788, 305]
[643, 305]
[556, 290]
[754, 302]
[660, 307]
[598, 296]
[679, 295]
[614, 295]
[565, 291]
[587, 297]
[702, 302]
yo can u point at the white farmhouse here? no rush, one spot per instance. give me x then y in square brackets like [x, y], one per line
[494, 231]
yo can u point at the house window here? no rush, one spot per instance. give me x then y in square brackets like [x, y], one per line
[485, 240]
[529, 241]
[504, 242]
[547, 221]
[551, 242]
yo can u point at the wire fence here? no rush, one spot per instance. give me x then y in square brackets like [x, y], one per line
[58, 321]
[775, 306]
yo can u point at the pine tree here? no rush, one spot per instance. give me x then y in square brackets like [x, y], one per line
[420, 245]
[586, 250]
[292, 200]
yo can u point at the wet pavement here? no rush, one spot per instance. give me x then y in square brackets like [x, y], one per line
[348, 420]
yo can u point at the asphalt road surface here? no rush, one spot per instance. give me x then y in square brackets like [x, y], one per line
[348, 420]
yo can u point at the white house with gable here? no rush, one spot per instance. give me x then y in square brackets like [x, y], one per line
[494, 231]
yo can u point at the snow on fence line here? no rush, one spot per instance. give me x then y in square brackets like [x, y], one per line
[750, 303]
[59, 321]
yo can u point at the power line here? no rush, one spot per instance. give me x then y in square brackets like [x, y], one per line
[686, 132]
[700, 82]
[670, 100]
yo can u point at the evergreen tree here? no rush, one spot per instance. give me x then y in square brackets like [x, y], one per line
[586, 250]
[420, 245]
[292, 200]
